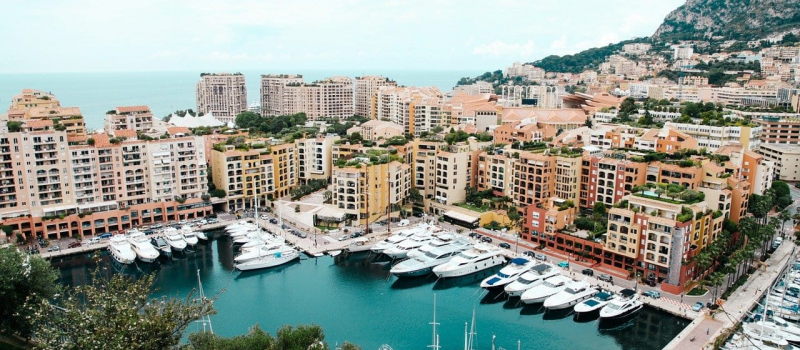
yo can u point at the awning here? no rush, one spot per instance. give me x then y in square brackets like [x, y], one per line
[59, 208]
[461, 217]
[330, 214]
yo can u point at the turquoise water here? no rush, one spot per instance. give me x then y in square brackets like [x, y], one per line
[165, 92]
[353, 298]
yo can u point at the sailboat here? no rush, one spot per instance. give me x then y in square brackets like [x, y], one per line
[205, 320]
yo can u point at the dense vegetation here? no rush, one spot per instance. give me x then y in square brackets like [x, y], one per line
[714, 71]
[292, 126]
[25, 281]
[497, 78]
[587, 59]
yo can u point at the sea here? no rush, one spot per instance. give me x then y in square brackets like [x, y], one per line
[354, 298]
[165, 92]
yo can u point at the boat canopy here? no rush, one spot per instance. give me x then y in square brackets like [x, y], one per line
[519, 261]
[603, 296]
[627, 292]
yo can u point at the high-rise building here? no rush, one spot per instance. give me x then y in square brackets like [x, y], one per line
[366, 89]
[222, 95]
[416, 109]
[288, 94]
[368, 190]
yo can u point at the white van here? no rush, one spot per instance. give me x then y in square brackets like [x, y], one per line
[403, 222]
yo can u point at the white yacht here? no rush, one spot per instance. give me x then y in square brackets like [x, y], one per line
[239, 226]
[174, 239]
[253, 253]
[400, 251]
[359, 244]
[480, 257]
[532, 278]
[439, 241]
[280, 256]
[773, 327]
[627, 304]
[161, 244]
[121, 250]
[391, 241]
[508, 274]
[786, 326]
[764, 332]
[594, 304]
[575, 293]
[201, 235]
[423, 265]
[141, 245]
[550, 287]
[189, 235]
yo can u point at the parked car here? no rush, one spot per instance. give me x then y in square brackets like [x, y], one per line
[605, 277]
[505, 245]
[344, 237]
[33, 251]
[697, 306]
[302, 234]
[474, 235]
[357, 234]
[264, 217]
[273, 221]
[404, 222]
[529, 253]
[74, 245]
[213, 220]
[105, 235]
[486, 239]
[653, 294]
[564, 264]
[54, 248]
[588, 272]
[183, 222]
[202, 222]
[540, 256]
[94, 240]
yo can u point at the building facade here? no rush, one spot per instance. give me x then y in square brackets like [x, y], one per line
[222, 95]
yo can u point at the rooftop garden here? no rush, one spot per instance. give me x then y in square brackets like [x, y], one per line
[669, 193]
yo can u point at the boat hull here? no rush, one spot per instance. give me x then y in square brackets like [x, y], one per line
[414, 273]
[267, 263]
[622, 315]
[469, 269]
[568, 304]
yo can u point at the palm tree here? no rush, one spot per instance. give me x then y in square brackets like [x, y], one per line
[784, 216]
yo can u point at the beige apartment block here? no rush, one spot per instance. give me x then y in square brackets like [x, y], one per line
[366, 88]
[222, 95]
[416, 109]
[786, 159]
[314, 157]
[495, 171]
[136, 118]
[39, 105]
[375, 130]
[273, 101]
[366, 191]
[288, 94]
[442, 172]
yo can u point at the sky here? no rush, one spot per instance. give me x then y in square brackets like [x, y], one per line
[163, 35]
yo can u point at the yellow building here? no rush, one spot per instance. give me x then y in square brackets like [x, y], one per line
[364, 190]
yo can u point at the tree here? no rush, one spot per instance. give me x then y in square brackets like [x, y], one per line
[327, 195]
[415, 196]
[117, 313]
[248, 120]
[599, 210]
[514, 216]
[25, 281]
[14, 126]
[355, 137]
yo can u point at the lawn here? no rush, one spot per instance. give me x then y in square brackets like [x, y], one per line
[697, 291]
[472, 207]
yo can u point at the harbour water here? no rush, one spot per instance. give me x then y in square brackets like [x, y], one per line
[354, 298]
[165, 92]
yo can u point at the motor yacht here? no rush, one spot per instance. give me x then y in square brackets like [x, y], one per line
[240, 226]
[189, 235]
[595, 303]
[423, 265]
[515, 268]
[480, 257]
[278, 257]
[575, 293]
[121, 249]
[440, 241]
[174, 239]
[400, 251]
[627, 304]
[264, 249]
[140, 244]
[359, 244]
[161, 244]
[531, 278]
[765, 332]
[391, 241]
[550, 287]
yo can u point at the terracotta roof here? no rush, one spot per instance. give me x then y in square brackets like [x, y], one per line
[37, 124]
[650, 135]
[76, 138]
[125, 133]
[129, 109]
[729, 149]
[101, 140]
[178, 130]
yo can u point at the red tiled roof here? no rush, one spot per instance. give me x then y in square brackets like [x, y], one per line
[37, 124]
[129, 109]
[178, 130]
[76, 138]
[125, 133]
[101, 140]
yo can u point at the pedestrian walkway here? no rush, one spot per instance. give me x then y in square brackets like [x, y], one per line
[676, 303]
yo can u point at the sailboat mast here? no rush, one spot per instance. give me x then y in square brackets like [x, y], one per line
[466, 335]
[207, 318]
[389, 199]
[435, 345]
[366, 183]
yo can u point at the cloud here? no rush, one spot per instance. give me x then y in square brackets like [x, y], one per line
[499, 48]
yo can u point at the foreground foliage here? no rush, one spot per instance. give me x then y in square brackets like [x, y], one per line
[288, 338]
[25, 281]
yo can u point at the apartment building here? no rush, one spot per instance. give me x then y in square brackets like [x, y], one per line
[52, 187]
[39, 105]
[477, 88]
[495, 171]
[288, 94]
[607, 180]
[314, 157]
[780, 130]
[543, 220]
[366, 89]
[786, 158]
[416, 109]
[366, 192]
[534, 179]
[222, 95]
[273, 100]
[714, 137]
[136, 118]
[260, 172]
[750, 166]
